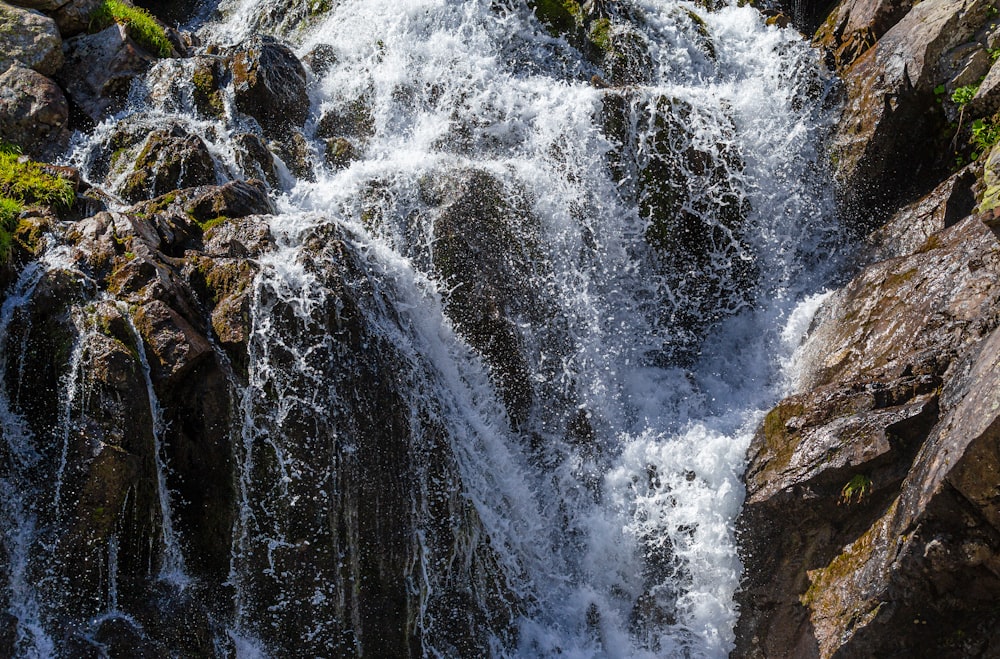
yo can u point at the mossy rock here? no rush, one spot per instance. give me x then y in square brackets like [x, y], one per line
[169, 159]
[560, 16]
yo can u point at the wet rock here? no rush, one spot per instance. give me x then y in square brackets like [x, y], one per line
[169, 159]
[339, 153]
[854, 526]
[269, 84]
[296, 153]
[34, 113]
[321, 59]
[207, 78]
[30, 38]
[490, 287]
[666, 171]
[855, 25]
[890, 90]
[255, 159]
[99, 71]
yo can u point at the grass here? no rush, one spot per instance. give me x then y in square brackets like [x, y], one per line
[139, 24]
[25, 183]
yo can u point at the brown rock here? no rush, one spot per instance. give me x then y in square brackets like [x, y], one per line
[169, 159]
[889, 141]
[871, 497]
[855, 25]
[269, 84]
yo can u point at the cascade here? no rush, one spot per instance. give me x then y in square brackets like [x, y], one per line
[512, 326]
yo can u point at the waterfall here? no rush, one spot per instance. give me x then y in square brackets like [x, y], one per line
[504, 361]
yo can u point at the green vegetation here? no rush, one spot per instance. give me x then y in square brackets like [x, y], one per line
[561, 16]
[139, 24]
[985, 134]
[25, 182]
[28, 182]
[856, 490]
[963, 95]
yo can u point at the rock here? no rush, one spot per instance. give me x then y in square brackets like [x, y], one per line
[320, 59]
[474, 214]
[855, 25]
[889, 142]
[169, 159]
[34, 113]
[269, 84]
[31, 38]
[339, 153]
[71, 16]
[966, 65]
[987, 98]
[667, 175]
[913, 226]
[852, 528]
[234, 199]
[99, 71]
[255, 160]
[296, 153]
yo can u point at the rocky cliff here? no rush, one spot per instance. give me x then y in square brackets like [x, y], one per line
[870, 526]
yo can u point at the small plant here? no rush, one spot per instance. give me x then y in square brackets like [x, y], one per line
[985, 135]
[138, 23]
[963, 95]
[939, 93]
[856, 490]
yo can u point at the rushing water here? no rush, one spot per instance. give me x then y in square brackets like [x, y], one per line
[597, 482]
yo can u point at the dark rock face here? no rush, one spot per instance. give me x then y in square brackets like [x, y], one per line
[892, 142]
[169, 159]
[857, 520]
[33, 113]
[696, 238]
[269, 84]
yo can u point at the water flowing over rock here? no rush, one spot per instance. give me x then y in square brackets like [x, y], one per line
[451, 344]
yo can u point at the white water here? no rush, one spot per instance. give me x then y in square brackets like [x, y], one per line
[649, 513]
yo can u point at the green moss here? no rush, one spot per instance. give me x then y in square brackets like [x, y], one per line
[9, 212]
[560, 16]
[27, 182]
[600, 34]
[207, 96]
[214, 222]
[139, 24]
[781, 443]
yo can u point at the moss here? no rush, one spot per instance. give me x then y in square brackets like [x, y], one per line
[779, 441]
[213, 222]
[600, 34]
[10, 211]
[27, 182]
[139, 24]
[560, 16]
[207, 96]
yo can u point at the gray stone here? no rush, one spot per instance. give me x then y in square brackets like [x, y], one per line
[100, 69]
[33, 113]
[29, 37]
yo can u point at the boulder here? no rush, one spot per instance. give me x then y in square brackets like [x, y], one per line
[269, 84]
[854, 524]
[474, 214]
[99, 71]
[889, 144]
[73, 17]
[693, 209]
[31, 38]
[169, 159]
[34, 113]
